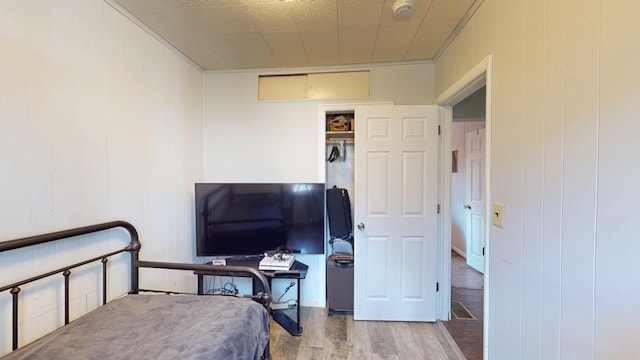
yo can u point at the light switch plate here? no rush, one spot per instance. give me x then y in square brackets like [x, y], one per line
[497, 213]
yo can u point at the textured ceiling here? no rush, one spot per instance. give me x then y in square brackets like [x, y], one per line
[239, 34]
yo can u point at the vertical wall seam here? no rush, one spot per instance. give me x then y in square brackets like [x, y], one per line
[596, 173]
[522, 173]
[53, 143]
[562, 179]
[30, 116]
[74, 118]
[492, 305]
[543, 174]
[105, 99]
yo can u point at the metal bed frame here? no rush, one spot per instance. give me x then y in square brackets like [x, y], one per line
[133, 248]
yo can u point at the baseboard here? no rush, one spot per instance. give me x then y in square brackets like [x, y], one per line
[458, 251]
[449, 338]
[312, 303]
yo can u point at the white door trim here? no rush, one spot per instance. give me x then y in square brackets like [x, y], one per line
[479, 75]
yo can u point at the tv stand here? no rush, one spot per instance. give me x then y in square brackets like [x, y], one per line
[283, 317]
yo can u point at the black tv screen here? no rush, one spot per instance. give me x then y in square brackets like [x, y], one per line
[251, 219]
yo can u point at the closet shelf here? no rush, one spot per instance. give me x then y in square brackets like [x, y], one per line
[340, 141]
[339, 135]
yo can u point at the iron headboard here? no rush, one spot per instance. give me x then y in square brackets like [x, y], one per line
[133, 248]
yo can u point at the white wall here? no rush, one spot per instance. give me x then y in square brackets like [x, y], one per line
[563, 270]
[99, 121]
[283, 141]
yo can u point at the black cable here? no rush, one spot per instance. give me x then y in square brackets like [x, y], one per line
[285, 291]
[228, 288]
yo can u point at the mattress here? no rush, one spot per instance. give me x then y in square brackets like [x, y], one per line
[159, 327]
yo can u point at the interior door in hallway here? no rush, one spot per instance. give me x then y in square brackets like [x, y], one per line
[395, 210]
[475, 194]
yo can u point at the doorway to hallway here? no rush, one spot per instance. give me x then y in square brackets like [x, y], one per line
[476, 78]
[468, 223]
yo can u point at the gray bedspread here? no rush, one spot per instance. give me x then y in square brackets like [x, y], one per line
[159, 327]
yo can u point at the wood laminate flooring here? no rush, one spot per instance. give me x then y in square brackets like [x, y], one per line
[340, 337]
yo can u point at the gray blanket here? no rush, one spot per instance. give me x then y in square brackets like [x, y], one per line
[159, 327]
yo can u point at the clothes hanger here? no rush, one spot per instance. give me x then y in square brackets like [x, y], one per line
[334, 155]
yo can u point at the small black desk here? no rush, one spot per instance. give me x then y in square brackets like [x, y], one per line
[281, 316]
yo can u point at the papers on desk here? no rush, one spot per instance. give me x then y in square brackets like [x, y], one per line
[276, 262]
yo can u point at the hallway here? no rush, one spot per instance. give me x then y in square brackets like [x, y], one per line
[466, 288]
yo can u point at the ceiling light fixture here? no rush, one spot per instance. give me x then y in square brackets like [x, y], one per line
[403, 8]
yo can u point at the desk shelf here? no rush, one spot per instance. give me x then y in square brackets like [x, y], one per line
[281, 316]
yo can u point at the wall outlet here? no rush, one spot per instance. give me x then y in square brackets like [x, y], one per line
[497, 214]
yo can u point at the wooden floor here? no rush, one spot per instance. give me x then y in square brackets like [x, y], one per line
[467, 287]
[340, 337]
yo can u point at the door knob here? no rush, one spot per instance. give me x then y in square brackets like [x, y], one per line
[361, 226]
[467, 206]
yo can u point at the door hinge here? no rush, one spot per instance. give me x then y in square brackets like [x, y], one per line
[438, 209]
[483, 251]
[438, 129]
[437, 286]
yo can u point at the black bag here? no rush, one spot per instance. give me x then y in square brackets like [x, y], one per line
[339, 213]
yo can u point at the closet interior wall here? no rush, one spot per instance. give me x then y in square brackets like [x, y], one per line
[340, 170]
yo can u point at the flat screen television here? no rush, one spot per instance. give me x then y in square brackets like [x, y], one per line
[254, 218]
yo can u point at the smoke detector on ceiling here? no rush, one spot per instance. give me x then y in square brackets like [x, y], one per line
[403, 8]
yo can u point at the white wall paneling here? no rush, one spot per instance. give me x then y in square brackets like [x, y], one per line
[616, 183]
[533, 176]
[100, 122]
[563, 108]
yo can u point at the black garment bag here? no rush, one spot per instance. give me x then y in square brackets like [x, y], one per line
[339, 213]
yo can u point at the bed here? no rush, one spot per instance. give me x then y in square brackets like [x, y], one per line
[239, 218]
[144, 323]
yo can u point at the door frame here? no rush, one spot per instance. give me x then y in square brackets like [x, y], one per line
[480, 75]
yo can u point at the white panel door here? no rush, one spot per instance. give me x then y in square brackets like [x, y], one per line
[395, 211]
[474, 184]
